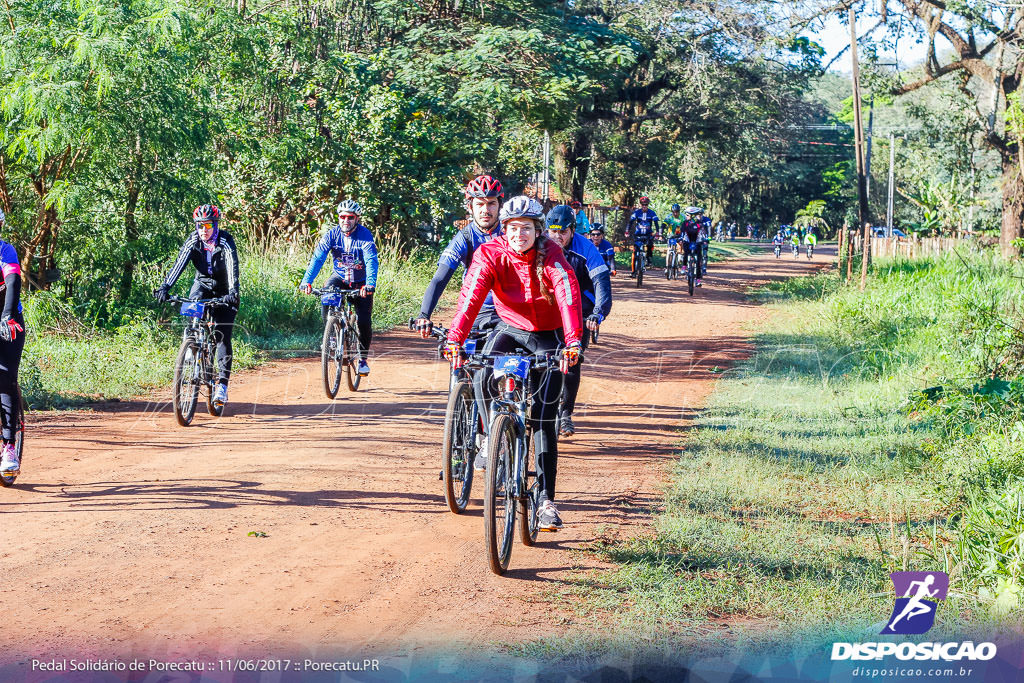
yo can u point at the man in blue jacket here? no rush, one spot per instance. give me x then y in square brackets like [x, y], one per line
[604, 247]
[354, 256]
[596, 297]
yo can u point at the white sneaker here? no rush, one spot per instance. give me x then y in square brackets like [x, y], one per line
[363, 369]
[10, 464]
[548, 518]
[220, 395]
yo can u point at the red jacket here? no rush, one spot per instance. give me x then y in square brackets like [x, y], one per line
[498, 268]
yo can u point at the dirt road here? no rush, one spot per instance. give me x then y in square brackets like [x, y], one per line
[126, 534]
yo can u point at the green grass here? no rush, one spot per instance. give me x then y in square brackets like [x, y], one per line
[819, 467]
[68, 363]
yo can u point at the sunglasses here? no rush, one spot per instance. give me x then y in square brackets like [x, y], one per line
[205, 226]
[348, 217]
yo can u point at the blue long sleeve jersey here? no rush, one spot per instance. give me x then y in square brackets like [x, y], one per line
[601, 297]
[354, 257]
[643, 222]
[459, 251]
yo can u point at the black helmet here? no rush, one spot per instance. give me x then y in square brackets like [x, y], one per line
[597, 227]
[561, 217]
[675, 207]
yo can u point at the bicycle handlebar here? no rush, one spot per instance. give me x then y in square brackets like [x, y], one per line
[336, 290]
[212, 303]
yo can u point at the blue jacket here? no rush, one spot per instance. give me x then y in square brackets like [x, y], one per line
[646, 218]
[607, 252]
[354, 257]
[601, 296]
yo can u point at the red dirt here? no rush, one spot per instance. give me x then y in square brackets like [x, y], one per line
[127, 535]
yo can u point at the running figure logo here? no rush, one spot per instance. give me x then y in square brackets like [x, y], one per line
[914, 613]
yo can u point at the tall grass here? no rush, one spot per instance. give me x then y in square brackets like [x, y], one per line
[871, 432]
[69, 362]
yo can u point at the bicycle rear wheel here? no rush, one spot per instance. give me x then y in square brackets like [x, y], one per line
[528, 507]
[499, 497]
[210, 379]
[19, 435]
[331, 356]
[459, 441]
[351, 351]
[187, 372]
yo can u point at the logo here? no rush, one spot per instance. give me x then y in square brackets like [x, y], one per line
[914, 612]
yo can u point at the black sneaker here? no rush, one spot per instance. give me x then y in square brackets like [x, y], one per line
[565, 425]
[547, 517]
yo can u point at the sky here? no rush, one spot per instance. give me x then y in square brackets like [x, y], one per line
[835, 35]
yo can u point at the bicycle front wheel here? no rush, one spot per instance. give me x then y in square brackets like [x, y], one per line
[331, 356]
[499, 496]
[528, 507]
[459, 440]
[640, 273]
[691, 274]
[187, 373]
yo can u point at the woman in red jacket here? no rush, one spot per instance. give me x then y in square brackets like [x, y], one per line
[535, 296]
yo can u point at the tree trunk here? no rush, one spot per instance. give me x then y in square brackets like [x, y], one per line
[1013, 207]
[625, 200]
[572, 163]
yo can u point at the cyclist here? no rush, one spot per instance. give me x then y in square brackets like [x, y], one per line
[11, 345]
[810, 239]
[674, 230]
[595, 300]
[705, 242]
[603, 246]
[693, 226]
[354, 254]
[582, 222]
[484, 195]
[794, 240]
[535, 294]
[778, 240]
[643, 222]
[213, 254]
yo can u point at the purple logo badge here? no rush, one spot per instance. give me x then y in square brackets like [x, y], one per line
[917, 594]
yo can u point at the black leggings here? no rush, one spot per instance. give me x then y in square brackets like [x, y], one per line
[10, 360]
[547, 387]
[364, 313]
[571, 384]
[223, 326]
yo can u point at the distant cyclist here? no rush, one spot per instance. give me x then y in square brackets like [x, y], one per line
[603, 246]
[643, 223]
[484, 196]
[354, 257]
[810, 240]
[213, 253]
[595, 299]
[12, 343]
[582, 222]
[794, 241]
[693, 226]
[705, 243]
[535, 292]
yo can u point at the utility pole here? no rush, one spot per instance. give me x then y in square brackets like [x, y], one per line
[890, 205]
[858, 129]
[867, 160]
[547, 165]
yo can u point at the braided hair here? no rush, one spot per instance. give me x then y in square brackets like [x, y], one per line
[539, 256]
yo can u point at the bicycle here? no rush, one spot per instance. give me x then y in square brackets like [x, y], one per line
[672, 263]
[464, 428]
[640, 262]
[692, 264]
[510, 483]
[778, 250]
[810, 251]
[194, 365]
[796, 250]
[19, 436]
[339, 350]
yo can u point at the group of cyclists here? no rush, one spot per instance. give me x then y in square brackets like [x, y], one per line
[534, 281]
[686, 231]
[794, 236]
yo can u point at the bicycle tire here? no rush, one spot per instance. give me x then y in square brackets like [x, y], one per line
[528, 526]
[690, 277]
[641, 267]
[19, 436]
[331, 361]
[351, 354]
[502, 443]
[186, 388]
[208, 372]
[459, 437]
[668, 266]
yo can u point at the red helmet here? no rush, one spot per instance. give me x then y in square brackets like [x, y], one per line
[206, 212]
[484, 186]
[645, 200]
[575, 204]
